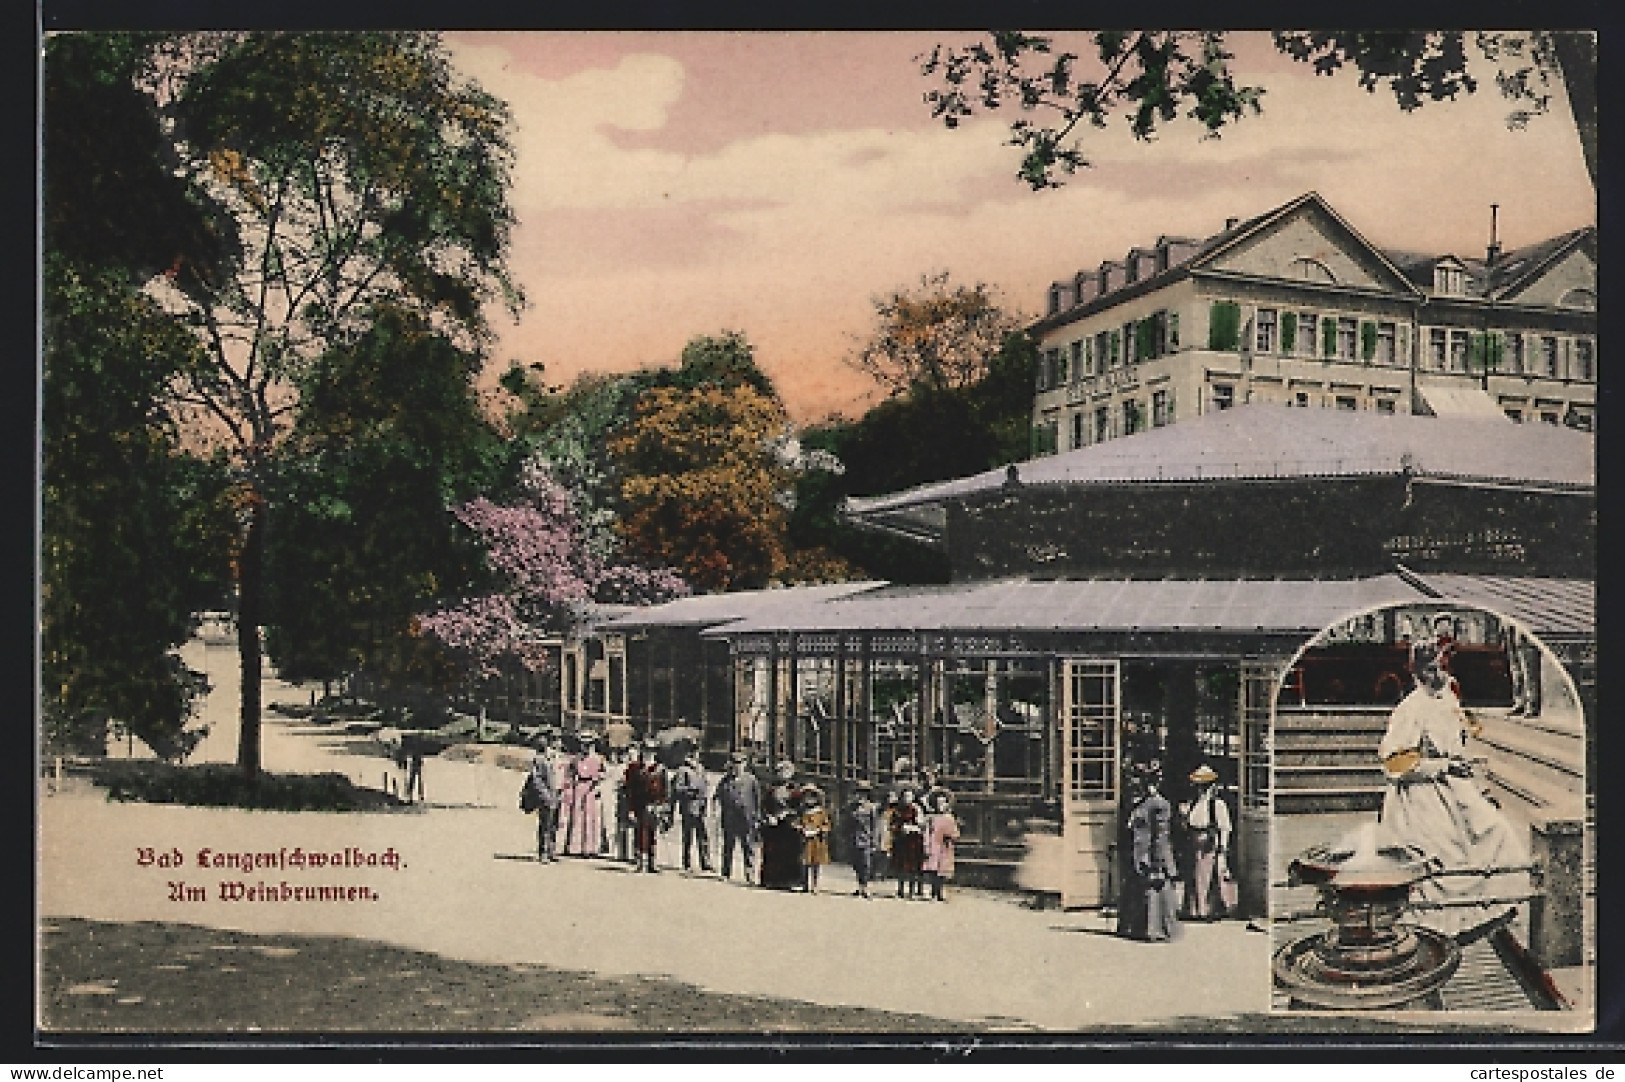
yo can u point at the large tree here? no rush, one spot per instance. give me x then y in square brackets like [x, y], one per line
[353, 173]
[390, 432]
[1152, 77]
[134, 531]
[938, 335]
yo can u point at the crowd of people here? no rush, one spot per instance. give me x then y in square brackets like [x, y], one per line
[619, 804]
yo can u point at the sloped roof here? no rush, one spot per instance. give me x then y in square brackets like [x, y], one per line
[1271, 442]
[1551, 608]
[1512, 271]
[703, 610]
[1555, 608]
[1209, 248]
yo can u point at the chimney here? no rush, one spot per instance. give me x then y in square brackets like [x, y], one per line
[1493, 251]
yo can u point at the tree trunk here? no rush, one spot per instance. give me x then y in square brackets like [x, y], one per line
[250, 582]
[1577, 59]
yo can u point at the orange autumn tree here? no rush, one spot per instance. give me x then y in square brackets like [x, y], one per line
[703, 484]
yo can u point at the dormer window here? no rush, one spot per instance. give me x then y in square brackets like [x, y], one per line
[1449, 279]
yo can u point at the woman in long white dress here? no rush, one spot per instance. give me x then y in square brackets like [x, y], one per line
[1435, 803]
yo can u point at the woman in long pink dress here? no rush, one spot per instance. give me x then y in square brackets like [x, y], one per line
[581, 823]
[941, 832]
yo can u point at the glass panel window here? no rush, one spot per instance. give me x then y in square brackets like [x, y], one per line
[1307, 333]
[1264, 331]
[1437, 349]
[1103, 424]
[1092, 707]
[1162, 412]
[894, 695]
[1348, 331]
[1515, 415]
[1548, 357]
[1584, 366]
[1385, 405]
[1077, 360]
[1224, 396]
[753, 696]
[815, 714]
[1129, 356]
[1132, 421]
[1078, 432]
[1515, 359]
[1173, 330]
[1347, 402]
[1385, 344]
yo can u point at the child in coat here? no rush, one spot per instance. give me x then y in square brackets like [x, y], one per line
[941, 832]
[815, 828]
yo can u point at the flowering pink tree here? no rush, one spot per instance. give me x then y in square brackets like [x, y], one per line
[539, 552]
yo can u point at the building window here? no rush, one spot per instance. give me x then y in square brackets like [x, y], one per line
[1224, 396]
[1583, 363]
[1548, 357]
[1130, 354]
[1173, 330]
[1300, 398]
[1077, 360]
[1437, 349]
[1549, 418]
[1115, 347]
[1088, 357]
[1348, 331]
[1347, 402]
[1577, 419]
[1515, 361]
[1458, 350]
[1054, 299]
[1385, 405]
[1133, 419]
[1385, 351]
[1077, 430]
[1103, 424]
[1162, 412]
[1449, 280]
[1264, 335]
[1515, 415]
[1306, 333]
[1328, 336]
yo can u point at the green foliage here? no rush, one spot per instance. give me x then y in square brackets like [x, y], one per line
[213, 785]
[1368, 340]
[939, 334]
[726, 360]
[1151, 77]
[389, 436]
[1289, 332]
[1224, 326]
[915, 438]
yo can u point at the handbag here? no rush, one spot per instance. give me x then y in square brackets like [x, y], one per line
[529, 797]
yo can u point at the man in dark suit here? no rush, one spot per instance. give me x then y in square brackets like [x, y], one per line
[739, 798]
[645, 796]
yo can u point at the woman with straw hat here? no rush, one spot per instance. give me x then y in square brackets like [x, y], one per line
[1208, 827]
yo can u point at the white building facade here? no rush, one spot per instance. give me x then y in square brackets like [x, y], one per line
[1295, 307]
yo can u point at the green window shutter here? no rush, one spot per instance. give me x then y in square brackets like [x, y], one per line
[1328, 337]
[1289, 331]
[1368, 340]
[1173, 330]
[1117, 340]
[1145, 339]
[1495, 344]
[1224, 326]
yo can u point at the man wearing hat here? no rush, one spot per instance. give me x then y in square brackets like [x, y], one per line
[864, 827]
[1208, 825]
[645, 795]
[689, 792]
[739, 798]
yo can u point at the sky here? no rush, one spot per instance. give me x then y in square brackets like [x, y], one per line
[669, 185]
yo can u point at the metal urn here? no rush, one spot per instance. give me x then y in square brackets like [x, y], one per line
[1369, 958]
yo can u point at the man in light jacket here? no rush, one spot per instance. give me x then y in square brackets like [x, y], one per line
[739, 796]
